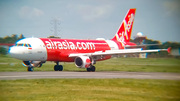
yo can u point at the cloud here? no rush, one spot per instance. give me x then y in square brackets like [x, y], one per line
[90, 12]
[28, 12]
[172, 7]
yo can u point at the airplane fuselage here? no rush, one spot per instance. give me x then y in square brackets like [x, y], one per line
[53, 49]
[59, 49]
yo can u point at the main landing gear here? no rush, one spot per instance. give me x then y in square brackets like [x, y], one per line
[58, 67]
[91, 69]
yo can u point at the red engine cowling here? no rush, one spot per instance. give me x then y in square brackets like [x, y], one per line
[82, 61]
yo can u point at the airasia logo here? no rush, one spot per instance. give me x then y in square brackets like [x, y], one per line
[121, 39]
[69, 45]
[127, 27]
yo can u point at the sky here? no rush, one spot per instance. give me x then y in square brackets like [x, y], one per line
[89, 19]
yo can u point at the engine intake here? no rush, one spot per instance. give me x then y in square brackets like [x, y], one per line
[82, 61]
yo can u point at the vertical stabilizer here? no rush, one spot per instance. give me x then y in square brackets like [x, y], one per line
[124, 32]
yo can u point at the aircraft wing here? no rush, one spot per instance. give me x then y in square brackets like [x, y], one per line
[143, 45]
[118, 52]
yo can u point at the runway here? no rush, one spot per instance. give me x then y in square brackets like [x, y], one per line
[55, 74]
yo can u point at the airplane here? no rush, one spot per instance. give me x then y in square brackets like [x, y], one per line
[84, 53]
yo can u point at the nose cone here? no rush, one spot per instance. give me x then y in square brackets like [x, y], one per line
[20, 53]
[14, 52]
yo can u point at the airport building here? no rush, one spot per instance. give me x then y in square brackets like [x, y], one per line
[175, 52]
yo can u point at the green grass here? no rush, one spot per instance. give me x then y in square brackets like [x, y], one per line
[93, 89]
[89, 90]
[114, 64]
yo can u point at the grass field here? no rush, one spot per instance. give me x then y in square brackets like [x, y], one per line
[93, 89]
[115, 64]
[89, 90]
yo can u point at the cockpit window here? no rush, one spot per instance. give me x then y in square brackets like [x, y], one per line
[29, 45]
[23, 44]
[19, 44]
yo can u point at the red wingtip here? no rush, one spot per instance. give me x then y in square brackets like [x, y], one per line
[169, 50]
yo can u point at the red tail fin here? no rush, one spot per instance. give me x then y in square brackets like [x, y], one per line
[124, 32]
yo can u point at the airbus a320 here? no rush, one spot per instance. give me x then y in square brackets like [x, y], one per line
[84, 53]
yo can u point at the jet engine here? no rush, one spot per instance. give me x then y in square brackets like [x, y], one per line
[82, 61]
[33, 63]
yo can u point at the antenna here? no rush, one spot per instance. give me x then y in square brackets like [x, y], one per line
[55, 22]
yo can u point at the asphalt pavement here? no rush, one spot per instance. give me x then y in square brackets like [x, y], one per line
[64, 74]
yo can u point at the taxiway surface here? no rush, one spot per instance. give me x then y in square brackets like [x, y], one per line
[55, 74]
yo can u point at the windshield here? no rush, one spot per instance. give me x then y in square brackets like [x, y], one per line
[23, 44]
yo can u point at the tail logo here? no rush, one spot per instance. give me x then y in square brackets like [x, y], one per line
[127, 26]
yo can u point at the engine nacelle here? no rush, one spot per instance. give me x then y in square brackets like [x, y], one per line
[82, 61]
[33, 63]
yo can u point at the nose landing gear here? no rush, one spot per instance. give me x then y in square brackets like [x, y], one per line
[30, 69]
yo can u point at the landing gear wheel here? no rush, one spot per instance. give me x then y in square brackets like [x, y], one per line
[58, 68]
[30, 69]
[88, 69]
[91, 69]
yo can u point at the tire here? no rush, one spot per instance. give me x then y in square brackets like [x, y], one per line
[88, 69]
[30, 69]
[91, 69]
[60, 68]
[56, 68]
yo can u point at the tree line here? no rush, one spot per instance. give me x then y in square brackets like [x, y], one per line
[11, 39]
[166, 44]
